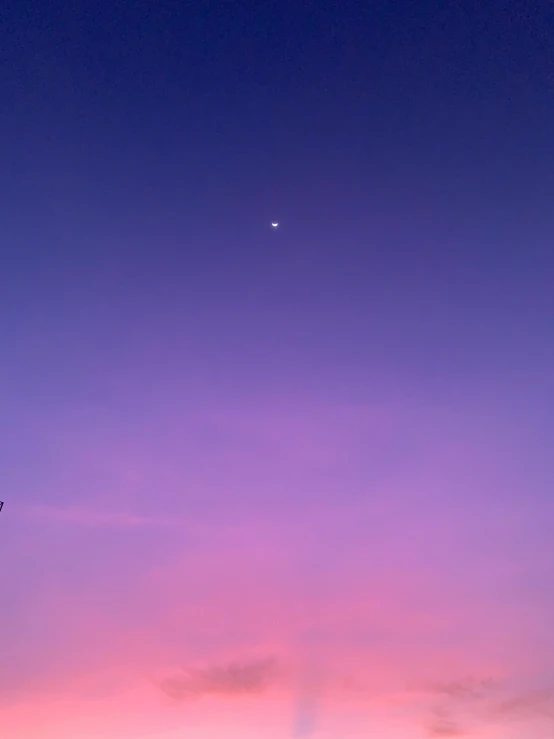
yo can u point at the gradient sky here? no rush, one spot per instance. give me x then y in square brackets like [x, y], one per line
[265, 484]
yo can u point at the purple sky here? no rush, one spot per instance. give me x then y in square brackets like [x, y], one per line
[277, 482]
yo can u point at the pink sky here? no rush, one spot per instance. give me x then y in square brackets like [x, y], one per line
[405, 609]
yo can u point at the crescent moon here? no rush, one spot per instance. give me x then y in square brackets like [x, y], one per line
[274, 225]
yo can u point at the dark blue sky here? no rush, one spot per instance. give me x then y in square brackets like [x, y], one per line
[189, 106]
[406, 149]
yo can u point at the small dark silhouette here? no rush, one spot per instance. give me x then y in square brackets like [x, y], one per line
[1, 504]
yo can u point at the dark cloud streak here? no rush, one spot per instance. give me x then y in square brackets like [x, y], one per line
[444, 728]
[233, 679]
[471, 701]
[465, 689]
[536, 703]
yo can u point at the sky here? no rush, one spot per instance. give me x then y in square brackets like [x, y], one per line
[267, 483]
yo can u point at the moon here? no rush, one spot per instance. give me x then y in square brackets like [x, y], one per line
[274, 224]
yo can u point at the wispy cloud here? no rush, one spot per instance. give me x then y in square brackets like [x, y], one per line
[535, 703]
[98, 517]
[461, 703]
[234, 679]
[476, 702]
[469, 688]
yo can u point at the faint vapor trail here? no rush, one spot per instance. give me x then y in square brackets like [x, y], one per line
[307, 700]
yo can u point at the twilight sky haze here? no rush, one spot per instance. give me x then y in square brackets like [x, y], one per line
[273, 483]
